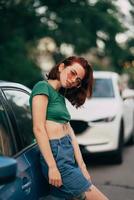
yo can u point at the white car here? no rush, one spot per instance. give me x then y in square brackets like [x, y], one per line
[106, 121]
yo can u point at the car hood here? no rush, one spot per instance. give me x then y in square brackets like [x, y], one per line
[95, 108]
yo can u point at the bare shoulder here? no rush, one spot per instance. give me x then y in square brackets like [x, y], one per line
[40, 102]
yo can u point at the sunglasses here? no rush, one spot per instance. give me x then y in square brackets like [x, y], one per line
[78, 80]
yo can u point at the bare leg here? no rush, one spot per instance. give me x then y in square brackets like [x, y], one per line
[95, 194]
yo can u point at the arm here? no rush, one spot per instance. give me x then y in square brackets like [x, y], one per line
[77, 153]
[39, 106]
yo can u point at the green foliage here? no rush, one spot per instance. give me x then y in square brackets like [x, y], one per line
[17, 30]
[75, 22]
[15, 65]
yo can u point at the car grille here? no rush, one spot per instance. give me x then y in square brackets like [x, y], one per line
[79, 126]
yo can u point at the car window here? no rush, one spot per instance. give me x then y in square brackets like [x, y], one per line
[6, 141]
[103, 88]
[19, 101]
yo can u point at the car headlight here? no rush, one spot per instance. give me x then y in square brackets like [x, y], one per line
[101, 120]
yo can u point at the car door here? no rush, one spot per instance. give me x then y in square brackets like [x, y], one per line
[128, 116]
[8, 147]
[29, 183]
[22, 186]
[128, 113]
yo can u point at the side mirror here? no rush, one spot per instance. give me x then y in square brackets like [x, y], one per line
[8, 169]
[128, 94]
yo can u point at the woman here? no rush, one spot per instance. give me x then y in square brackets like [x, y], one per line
[61, 159]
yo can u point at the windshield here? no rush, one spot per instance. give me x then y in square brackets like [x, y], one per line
[103, 88]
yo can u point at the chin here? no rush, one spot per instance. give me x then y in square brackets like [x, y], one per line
[64, 85]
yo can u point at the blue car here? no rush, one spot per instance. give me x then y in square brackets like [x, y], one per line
[20, 173]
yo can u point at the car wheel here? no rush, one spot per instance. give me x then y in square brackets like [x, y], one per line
[131, 140]
[118, 155]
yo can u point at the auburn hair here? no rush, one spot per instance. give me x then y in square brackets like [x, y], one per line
[76, 96]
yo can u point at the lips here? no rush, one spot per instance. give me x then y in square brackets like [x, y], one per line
[68, 84]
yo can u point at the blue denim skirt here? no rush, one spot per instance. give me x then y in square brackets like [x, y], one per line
[74, 182]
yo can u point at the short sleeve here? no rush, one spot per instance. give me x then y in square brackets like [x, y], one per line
[40, 88]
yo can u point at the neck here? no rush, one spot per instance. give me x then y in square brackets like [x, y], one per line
[55, 84]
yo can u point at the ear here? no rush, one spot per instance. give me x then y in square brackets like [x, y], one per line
[61, 67]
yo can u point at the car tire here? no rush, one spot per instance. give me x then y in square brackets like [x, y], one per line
[118, 155]
[131, 140]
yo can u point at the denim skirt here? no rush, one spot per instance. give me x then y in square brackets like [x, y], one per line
[74, 182]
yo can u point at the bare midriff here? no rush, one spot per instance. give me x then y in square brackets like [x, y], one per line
[56, 130]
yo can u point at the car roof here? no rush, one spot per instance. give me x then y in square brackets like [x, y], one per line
[13, 85]
[105, 74]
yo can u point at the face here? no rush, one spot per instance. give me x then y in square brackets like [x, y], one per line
[71, 76]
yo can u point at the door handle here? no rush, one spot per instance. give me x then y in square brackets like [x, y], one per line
[26, 185]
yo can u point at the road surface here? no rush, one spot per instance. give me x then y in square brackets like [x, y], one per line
[116, 181]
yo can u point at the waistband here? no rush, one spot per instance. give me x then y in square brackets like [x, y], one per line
[61, 140]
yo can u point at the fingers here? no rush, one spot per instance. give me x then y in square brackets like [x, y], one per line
[55, 182]
[55, 177]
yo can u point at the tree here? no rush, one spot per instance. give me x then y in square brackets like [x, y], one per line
[128, 60]
[81, 24]
[18, 20]
[76, 22]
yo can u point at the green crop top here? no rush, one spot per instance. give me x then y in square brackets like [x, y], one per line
[56, 109]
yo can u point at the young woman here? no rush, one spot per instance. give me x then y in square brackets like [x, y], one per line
[61, 159]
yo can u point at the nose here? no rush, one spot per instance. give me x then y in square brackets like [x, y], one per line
[73, 79]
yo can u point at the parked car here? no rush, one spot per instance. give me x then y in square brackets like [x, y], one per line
[106, 121]
[20, 173]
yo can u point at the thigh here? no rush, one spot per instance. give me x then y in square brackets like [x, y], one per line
[95, 194]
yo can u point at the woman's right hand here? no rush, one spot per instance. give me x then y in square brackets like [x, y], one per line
[54, 177]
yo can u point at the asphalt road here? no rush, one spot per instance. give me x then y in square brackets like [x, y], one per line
[116, 181]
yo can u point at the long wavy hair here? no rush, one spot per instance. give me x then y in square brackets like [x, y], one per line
[76, 96]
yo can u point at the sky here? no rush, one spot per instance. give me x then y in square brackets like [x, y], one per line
[125, 7]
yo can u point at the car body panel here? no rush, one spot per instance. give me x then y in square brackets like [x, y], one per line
[16, 189]
[29, 183]
[104, 116]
